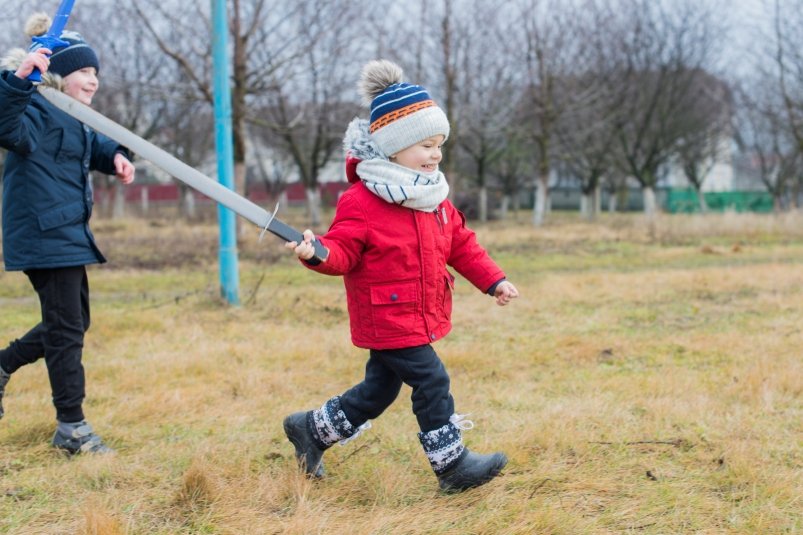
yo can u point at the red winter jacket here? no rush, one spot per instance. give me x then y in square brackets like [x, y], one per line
[393, 261]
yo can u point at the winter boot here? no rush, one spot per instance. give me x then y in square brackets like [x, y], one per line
[4, 377]
[471, 470]
[314, 432]
[309, 451]
[458, 468]
[78, 437]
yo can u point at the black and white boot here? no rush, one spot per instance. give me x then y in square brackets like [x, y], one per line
[458, 468]
[313, 432]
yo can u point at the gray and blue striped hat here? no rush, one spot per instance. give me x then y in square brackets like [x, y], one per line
[402, 114]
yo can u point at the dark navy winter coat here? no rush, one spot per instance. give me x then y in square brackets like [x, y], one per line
[47, 192]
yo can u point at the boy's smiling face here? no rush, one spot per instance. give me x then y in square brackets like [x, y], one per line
[423, 157]
[82, 84]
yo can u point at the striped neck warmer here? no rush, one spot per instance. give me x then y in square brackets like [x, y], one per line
[403, 186]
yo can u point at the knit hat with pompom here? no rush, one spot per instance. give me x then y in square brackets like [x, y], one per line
[65, 59]
[402, 114]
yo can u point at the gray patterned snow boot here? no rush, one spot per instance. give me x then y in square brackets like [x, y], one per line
[314, 432]
[458, 468]
[4, 377]
[78, 437]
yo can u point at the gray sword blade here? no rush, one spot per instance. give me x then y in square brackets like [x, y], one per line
[178, 169]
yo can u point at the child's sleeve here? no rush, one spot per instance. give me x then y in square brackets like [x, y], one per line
[20, 122]
[467, 256]
[103, 153]
[345, 239]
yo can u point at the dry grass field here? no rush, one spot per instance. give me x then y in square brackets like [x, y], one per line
[648, 381]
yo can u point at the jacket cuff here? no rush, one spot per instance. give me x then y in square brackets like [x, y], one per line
[16, 83]
[492, 289]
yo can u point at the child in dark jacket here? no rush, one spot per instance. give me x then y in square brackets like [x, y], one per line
[393, 235]
[47, 203]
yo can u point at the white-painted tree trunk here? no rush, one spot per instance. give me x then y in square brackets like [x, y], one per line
[586, 206]
[613, 202]
[650, 204]
[701, 200]
[504, 207]
[314, 205]
[482, 204]
[118, 207]
[539, 211]
[188, 204]
[143, 200]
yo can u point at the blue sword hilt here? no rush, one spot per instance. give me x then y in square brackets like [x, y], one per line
[51, 39]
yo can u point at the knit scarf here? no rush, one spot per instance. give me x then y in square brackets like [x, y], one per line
[403, 186]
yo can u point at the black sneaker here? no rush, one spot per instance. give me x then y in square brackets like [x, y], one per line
[308, 454]
[78, 438]
[4, 377]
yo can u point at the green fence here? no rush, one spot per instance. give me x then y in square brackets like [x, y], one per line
[686, 201]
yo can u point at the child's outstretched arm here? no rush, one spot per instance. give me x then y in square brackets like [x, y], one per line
[504, 292]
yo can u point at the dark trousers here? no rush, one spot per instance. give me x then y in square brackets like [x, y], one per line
[418, 367]
[59, 337]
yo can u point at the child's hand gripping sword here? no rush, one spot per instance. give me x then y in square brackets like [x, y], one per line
[51, 39]
[175, 167]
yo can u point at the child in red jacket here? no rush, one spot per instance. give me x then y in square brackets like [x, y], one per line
[393, 235]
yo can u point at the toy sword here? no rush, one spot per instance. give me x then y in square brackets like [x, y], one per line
[178, 169]
[51, 39]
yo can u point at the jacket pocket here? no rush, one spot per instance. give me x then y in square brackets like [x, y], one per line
[394, 308]
[70, 146]
[64, 215]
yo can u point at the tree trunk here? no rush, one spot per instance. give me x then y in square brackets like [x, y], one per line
[187, 203]
[239, 187]
[504, 207]
[597, 200]
[482, 204]
[143, 200]
[540, 208]
[314, 205]
[650, 204]
[613, 199]
[118, 207]
[701, 200]
[587, 206]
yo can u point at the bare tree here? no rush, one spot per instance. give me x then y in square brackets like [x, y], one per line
[127, 64]
[658, 55]
[708, 131]
[544, 36]
[486, 110]
[764, 136]
[304, 105]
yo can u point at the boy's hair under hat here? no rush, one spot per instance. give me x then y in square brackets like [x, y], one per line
[402, 114]
[66, 59]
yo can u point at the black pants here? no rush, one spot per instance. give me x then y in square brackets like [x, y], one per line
[59, 338]
[385, 371]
